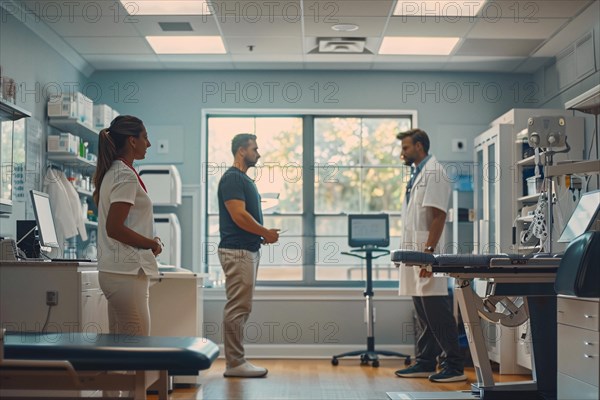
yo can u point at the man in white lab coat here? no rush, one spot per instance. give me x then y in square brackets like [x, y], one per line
[423, 219]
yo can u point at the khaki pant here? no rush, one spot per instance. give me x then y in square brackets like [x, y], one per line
[240, 268]
[128, 307]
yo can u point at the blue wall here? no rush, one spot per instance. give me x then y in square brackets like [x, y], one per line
[448, 104]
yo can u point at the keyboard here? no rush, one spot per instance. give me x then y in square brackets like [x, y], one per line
[71, 260]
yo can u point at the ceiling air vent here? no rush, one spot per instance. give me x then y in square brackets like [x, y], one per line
[341, 45]
[175, 26]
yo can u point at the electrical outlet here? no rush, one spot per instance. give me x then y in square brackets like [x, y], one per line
[52, 298]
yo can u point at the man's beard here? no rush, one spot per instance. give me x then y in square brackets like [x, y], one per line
[250, 163]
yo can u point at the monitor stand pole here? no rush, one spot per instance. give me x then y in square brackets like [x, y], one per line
[370, 354]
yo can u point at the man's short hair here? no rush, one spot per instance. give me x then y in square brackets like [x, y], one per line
[241, 140]
[418, 136]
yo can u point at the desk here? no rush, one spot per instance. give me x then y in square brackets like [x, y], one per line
[81, 304]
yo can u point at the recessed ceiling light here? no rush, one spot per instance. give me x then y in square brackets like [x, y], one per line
[405, 45]
[168, 7]
[345, 27]
[442, 8]
[186, 44]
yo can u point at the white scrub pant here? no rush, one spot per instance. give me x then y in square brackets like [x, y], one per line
[128, 302]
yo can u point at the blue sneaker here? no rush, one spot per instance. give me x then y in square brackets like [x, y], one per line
[448, 375]
[415, 371]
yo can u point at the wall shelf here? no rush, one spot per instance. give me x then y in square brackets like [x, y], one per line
[75, 127]
[12, 112]
[70, 159]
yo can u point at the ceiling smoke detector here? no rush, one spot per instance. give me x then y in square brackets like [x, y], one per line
[341, 45]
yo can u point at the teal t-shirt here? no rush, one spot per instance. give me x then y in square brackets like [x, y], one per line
[236, 185]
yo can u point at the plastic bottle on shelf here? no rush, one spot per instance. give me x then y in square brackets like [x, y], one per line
[84, 208]
[91, 250]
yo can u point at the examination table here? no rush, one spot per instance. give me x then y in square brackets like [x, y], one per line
[508, 278]
[87, 362]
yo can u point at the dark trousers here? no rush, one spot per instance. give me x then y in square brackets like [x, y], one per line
[438, 333]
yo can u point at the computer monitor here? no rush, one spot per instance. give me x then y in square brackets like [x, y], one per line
[44, 219]
[583, 217]
[368, 230]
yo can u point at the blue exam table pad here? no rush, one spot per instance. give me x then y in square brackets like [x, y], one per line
[92, 352]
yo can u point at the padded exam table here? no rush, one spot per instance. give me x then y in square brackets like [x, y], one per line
[506, 277]
[84, 362]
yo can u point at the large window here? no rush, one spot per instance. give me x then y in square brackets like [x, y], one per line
[313, 171]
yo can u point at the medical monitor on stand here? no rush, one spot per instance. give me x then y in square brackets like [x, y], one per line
[368, 230]
[44, 219]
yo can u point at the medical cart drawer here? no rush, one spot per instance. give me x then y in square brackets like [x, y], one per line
[578, 353]
[573, 389]
[89, 280]
[578, 312]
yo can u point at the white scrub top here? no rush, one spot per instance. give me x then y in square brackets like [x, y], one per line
[431, 188]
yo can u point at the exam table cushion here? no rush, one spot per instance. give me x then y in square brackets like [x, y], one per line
[579, 270]
[113, 352]
[459, 260]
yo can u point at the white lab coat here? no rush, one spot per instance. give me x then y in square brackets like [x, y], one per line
[65, 206]
[430, 189]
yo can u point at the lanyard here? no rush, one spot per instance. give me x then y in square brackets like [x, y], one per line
[135, 172]
[413, 176]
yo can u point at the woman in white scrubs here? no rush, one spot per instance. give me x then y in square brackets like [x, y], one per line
[127, 249]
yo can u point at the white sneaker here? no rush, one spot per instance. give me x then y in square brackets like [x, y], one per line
[246, 370]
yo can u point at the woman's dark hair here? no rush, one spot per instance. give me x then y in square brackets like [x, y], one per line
[111, 143]
[418, 136]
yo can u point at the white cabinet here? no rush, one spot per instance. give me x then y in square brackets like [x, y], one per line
[81, 306]
[578, 347]
[493, 190]
[176, 308]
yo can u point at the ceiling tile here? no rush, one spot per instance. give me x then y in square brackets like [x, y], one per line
[335, 11]
[416, 26]
[510, 29]
[90, 10]
[232, 26]
[264, 45]
[367, 27]
[268, 65]
[339, 58]
[530, 11]
[203, 25]
[497, 64]
[125, 62]
[113, 45]
[267, 58]
[254, 11]
[83, 27]
[497, 47]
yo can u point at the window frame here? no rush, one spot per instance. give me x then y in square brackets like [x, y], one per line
[308, 193]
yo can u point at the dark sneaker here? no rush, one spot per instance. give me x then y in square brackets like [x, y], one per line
[415, 371]
[448, 375]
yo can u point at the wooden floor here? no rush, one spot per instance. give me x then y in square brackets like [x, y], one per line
[318, 379]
